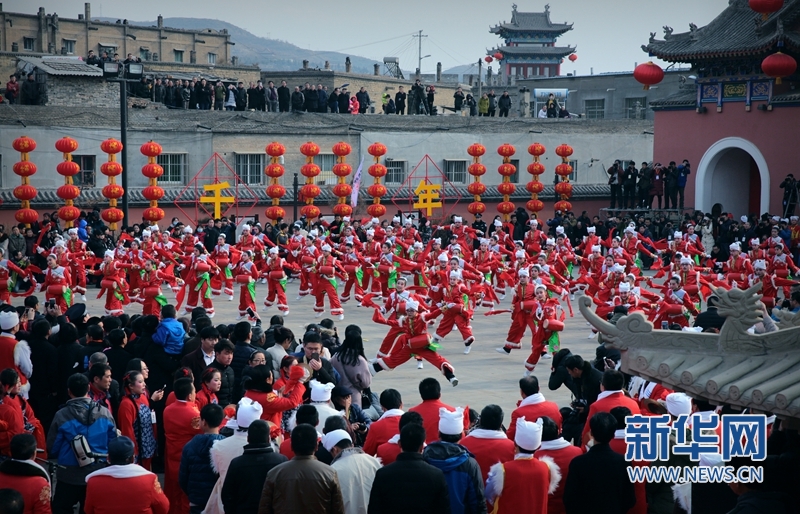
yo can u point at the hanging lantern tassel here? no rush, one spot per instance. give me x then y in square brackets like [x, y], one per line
[152, 192]
[564, 170]
[535, 186]
[506, 188]
[113, 191]
[275, 190]
[310, 190]
[476, 188]
[342, 170]
[377, 190]
[25, 192]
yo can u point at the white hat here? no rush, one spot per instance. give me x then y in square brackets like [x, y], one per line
[784, 220]
[248, 411]
[417, 244]
[72, 231]
[408, 222]
[591, 230]
[451, 423]
[453, 236]
[755, 242]
[679, 403]
[375, 221]
[597, 248]
[437, 240]
[536, 267]
[743, 219]
[154, 227]
[443, 257]
[618, 268]
[735, 246]
[529, 435]
[320, 392]
[484, 241]
[455, 247]
[540, 286]
[559, 230]
[776, 218]
[550, 242]
[520, 254]
[396, 219]
[370, 232]
[630, 275]
[331, 439]
[760, 264]
[8, 320]
[273, 250]
[677, 235]
[523, 273]
[109, 253]
[147, 233]
[326, 248]
[188, 230]
[346, 218]
[686, 260]
[624, 287]
[412, 305]
[457, 219]
[630, 230]
[498, 223]
[534, 221]
[520, 243]
[455, 273]
[794, 218]
[60, 244]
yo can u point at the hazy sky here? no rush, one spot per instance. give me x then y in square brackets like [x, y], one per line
[608, 33]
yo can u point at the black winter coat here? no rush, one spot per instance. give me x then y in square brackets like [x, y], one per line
[196, 476]
[298, 101]
[284, 96]
[241, 491]
[428, 483]
[44, 380]
[344, 102]
[598, 483]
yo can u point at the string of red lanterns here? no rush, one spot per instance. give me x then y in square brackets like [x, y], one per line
[506, 188]
[310, 190]
[153, 171]
[25, 169]
[377, 190]
[564, 170]
[342, 170]
[476, 188]
[68, 192]
[112, 191]
[535, 186]
[275, 170]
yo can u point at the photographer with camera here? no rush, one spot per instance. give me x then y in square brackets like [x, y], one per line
[790, 193]
[585, 387]
[417, 97]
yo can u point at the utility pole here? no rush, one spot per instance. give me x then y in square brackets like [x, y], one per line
[419, 55]
[480, 80]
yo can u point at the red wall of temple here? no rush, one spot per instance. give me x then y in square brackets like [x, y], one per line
[687, 135]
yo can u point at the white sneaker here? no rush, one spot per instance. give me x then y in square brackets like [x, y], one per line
[592, 335]
[266, 307]
[300, 298]
[263, 280]
[572, 297]
[318, 315]
[502, 350]
[527, 373]
[240, 317]
[546, 356]
[454, 381]
[501, 297]
[467, 349]
[341, 316]
[230, 298]
[83, 297]
[419, 364]
[285, 313]
[210, 315]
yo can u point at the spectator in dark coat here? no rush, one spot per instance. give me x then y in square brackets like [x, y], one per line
[70, 358]
[30, 91]
[344, 101]
[322, 102]
[284, 97]
[710, 318]
[241, 490]
[44, 379]
[333, 101]
[298, 100]
[211, 235]
[196, 475]
[586, 379]
[363, 100]
[311, 98]
[458, 99]
[117, 355]
[223, 356]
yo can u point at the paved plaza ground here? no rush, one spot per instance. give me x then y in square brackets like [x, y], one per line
[485, 376]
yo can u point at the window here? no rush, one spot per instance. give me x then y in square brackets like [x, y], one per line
[174, 165]
[325, 161]
[515, 176]
[547, 71]
[595, 109]
[212, 58]
[178, 55]
[513, 70]
[68, 45]
[85, 177]
[574, 175]
[395, 171]
[456, 171]
[250, 167]
[144, 54]
[636, 108]
[28, 44]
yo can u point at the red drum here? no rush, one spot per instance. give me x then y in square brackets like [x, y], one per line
[401, 308]
[419, 342]
[530, 305]
[484, 269]
[151, 292]
[4, 284]
[244, 279]
[769, 301]
[621, 262]
[56, 290]
[276, 275]
[691, 289]
[385, 268]
[736, 277]
[326, 270]
[307, 260]
[202, 267]
[105, 284]
[223, 261]
[351, 268]
[553, 325]
[674, 310]
[782, 272]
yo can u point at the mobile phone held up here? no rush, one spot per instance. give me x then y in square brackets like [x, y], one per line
[250, 312]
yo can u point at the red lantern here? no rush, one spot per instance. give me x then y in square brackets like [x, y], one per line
[506, 208]
[69, 213]
[506, 188]
[537, 149]
[377, 149]
[476, 208]
[26, 216]
[24, 144]
[24, 168]
[342, 169]
[506, 150]
[476, 150]
[476, 188]
[573, 57]
[310, 191]
[343, 190]
[377, 170]
[113, 191]
[488, 59]
[564, 151]
[149, 149]
[779, 65]
[535, 205]
[507, 169]
[376, 210]
[563, 170]
[153, 214]
[66, 145]
[536, 168]
[766, 7]
[276, 191]
[648, 74]
[112, 215]
[342, 209]
[341, 149]
[498, 55]
[534, 187]
[563, 206]
[310, 211]
[68, 192]
[153, 193]
[274, 212]
[564, 188]
[68, 168]
[309, 149]
[25, 192]
[275, 149]
[151, 171]
[113, 168]
[310, 170]
[274, 170]
[476, 169]
[376, 190]
[112, 146]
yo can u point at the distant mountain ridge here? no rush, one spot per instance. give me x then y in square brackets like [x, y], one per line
[269, 54]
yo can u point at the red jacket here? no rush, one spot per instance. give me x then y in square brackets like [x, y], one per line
[382, 430]
[31, 480]
[429, 410]
[611, 400]
[562, 452]
[11, 423]
[388, 452]
[488, 448]
[532, 408]
[131, 486]
[181, 424]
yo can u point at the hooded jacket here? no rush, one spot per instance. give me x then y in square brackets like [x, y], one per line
[80, 416]
[196, 476]
[463, 475]
[170, 335]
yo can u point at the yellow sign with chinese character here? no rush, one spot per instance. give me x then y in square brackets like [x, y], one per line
[217, 199]
[429, 198]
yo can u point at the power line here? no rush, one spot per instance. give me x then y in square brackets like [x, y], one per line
[369, 44]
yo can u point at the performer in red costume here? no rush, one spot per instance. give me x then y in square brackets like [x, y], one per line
[77, 262]
[15, 354]
[737, 268]
[327, 268]
[150, 283]
[223, 255]
[352, 263]
[246, 274]
[199, 282]
[6, 268]
[769, 283]
[276, 279]
[455, 311]
[395, 306]
[56, 283]
[673, 307]
[523, 305]
[113, 284]
[308, 256]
